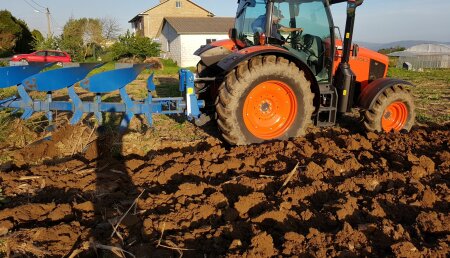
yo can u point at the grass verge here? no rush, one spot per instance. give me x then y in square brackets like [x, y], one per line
[431, 92]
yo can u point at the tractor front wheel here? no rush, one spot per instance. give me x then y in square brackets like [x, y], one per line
[393, 111]
[262, 99]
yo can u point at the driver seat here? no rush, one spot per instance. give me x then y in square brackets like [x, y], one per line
[315, 47]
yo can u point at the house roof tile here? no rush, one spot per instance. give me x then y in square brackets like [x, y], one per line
[201, 25]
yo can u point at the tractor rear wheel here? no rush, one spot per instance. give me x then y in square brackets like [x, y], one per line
[206, 90]
[262, 99]
[200, 69]
[393, 111]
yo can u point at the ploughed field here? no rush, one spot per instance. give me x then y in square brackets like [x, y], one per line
[336, 192]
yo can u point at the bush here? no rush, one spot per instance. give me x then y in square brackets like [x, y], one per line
[387, 51]
[15, 37]
[41, 43]
[134, 46]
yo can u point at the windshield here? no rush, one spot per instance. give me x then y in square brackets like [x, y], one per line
[289, 17]
[309, 15]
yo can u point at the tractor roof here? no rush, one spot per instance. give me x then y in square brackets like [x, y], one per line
[336, 1]
[252, 2]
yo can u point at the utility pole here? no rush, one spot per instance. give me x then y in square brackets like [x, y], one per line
[48, 23]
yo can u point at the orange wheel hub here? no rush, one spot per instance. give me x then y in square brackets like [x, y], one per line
[394, 117]
[270, 109]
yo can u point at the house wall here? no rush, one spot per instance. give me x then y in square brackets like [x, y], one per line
[137, 27]
[190, 43]
[181, 48]
[154, 18]
[170, 43]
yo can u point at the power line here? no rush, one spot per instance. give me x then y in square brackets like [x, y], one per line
[33, 7]
[47, 13]
[38, 4]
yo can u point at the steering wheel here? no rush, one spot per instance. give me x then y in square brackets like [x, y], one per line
[294, 36]
[294, 39]
[308, 41]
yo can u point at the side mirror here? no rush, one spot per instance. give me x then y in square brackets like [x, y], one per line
[337, 33]
[232, 34]
[355, 50]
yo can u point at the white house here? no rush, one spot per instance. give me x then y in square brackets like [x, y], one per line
[181, 36]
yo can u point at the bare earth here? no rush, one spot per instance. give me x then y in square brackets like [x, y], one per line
[166, 193]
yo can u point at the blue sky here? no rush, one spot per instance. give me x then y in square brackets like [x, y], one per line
[378, 21]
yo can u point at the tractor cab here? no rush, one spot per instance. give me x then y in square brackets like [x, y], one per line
[303, 27]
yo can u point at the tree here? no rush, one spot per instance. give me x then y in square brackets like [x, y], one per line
[110, 27]
[81, 36]
[130, 45]
[40, 42]
[15, 37]
[37, 35]
[24, 42]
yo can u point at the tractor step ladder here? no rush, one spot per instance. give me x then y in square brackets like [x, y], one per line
[326, 116]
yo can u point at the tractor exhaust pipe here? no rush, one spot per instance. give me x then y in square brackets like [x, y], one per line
[345, 78]
[349, 25]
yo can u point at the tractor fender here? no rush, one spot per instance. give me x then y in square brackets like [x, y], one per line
[214, 55]
[202, 49]
[231, 61]
[226, 43]
[371, 92]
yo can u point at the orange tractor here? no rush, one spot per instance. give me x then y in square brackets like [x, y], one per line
[285, 67]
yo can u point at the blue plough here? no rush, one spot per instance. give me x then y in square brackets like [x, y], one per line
[29, 78]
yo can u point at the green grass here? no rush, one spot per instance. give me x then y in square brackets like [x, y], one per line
[106, 67]
[8, 92]
[170, 68]
[431, 91]
[438, 75]
[167, 87]
[5, 125]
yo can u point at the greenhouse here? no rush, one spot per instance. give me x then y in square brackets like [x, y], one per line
[424, 56]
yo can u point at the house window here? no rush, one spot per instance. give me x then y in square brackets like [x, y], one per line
[209, 41]
[178, 4]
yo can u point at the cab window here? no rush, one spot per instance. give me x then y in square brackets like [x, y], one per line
[250, 19]
[40, 53]
[310, 47]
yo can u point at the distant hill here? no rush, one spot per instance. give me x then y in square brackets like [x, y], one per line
[404, 43]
